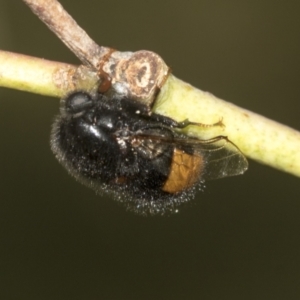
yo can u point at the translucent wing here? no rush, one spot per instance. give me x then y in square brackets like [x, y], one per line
[221, 157]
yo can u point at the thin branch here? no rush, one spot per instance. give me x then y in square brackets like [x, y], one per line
[259, 138]
[42, 76]
[64, 26]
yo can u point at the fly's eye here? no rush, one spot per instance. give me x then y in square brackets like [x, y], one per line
[78, 102]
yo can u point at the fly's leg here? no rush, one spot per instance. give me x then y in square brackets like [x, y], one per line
[187, 122]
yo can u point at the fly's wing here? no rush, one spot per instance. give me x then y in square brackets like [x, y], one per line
[221, 157]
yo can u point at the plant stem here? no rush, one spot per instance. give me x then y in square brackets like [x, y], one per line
[67, 30]
[259, 138]
[42, 76]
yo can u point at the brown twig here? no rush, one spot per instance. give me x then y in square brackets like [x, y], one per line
[137, 75]
[64, 26]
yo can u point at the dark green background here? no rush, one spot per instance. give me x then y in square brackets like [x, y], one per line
[240, 239]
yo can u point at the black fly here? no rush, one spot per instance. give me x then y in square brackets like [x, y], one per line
[115, 145]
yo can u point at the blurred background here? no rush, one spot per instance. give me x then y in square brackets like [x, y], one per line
[237, 240]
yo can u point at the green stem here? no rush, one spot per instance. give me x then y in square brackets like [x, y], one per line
[259, 138]
[42, 76]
